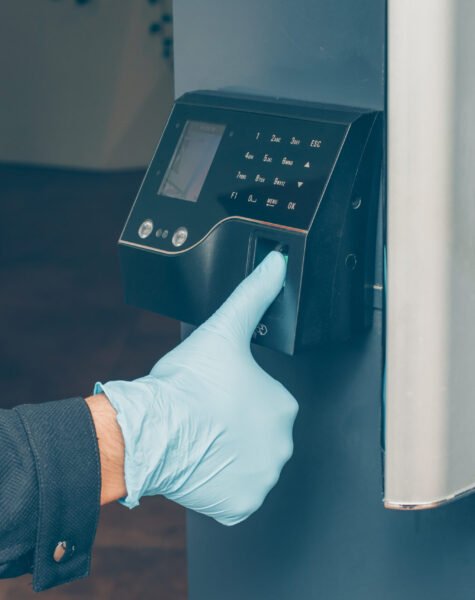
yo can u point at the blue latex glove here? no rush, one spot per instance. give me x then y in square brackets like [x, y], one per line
[208, 428]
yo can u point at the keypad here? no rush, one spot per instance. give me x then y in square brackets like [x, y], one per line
[274, 170]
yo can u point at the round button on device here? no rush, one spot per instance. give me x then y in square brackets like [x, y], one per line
[146, 228]
[180, 236]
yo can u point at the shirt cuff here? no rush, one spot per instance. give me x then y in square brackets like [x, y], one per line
[64, 446]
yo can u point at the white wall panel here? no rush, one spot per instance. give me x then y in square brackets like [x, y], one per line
[82, 86]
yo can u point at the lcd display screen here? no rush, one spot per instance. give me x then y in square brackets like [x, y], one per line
[191, 160]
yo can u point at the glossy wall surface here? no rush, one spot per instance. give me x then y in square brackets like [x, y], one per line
[323, 532]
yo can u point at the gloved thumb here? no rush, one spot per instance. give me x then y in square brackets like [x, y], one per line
[243, 310]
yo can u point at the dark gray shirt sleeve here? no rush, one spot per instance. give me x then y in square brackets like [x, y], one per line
[49, 491]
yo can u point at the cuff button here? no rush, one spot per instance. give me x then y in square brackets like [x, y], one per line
[63, 551]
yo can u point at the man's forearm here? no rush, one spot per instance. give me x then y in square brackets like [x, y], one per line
[111, 448]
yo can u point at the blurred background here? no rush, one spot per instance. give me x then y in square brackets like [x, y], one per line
[85, 89]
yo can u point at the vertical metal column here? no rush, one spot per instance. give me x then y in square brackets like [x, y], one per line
[323, 532]
[430, 416]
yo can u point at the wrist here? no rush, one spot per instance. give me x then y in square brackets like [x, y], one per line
[111, 448]
[146, 431]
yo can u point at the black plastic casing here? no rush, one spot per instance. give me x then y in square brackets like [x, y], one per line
[329, 238]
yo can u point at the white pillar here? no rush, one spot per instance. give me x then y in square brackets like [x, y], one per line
[430, 377]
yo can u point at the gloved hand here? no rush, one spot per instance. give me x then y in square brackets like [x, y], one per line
[208, 428]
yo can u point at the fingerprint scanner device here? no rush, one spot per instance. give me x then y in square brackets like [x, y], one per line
[235, 177]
